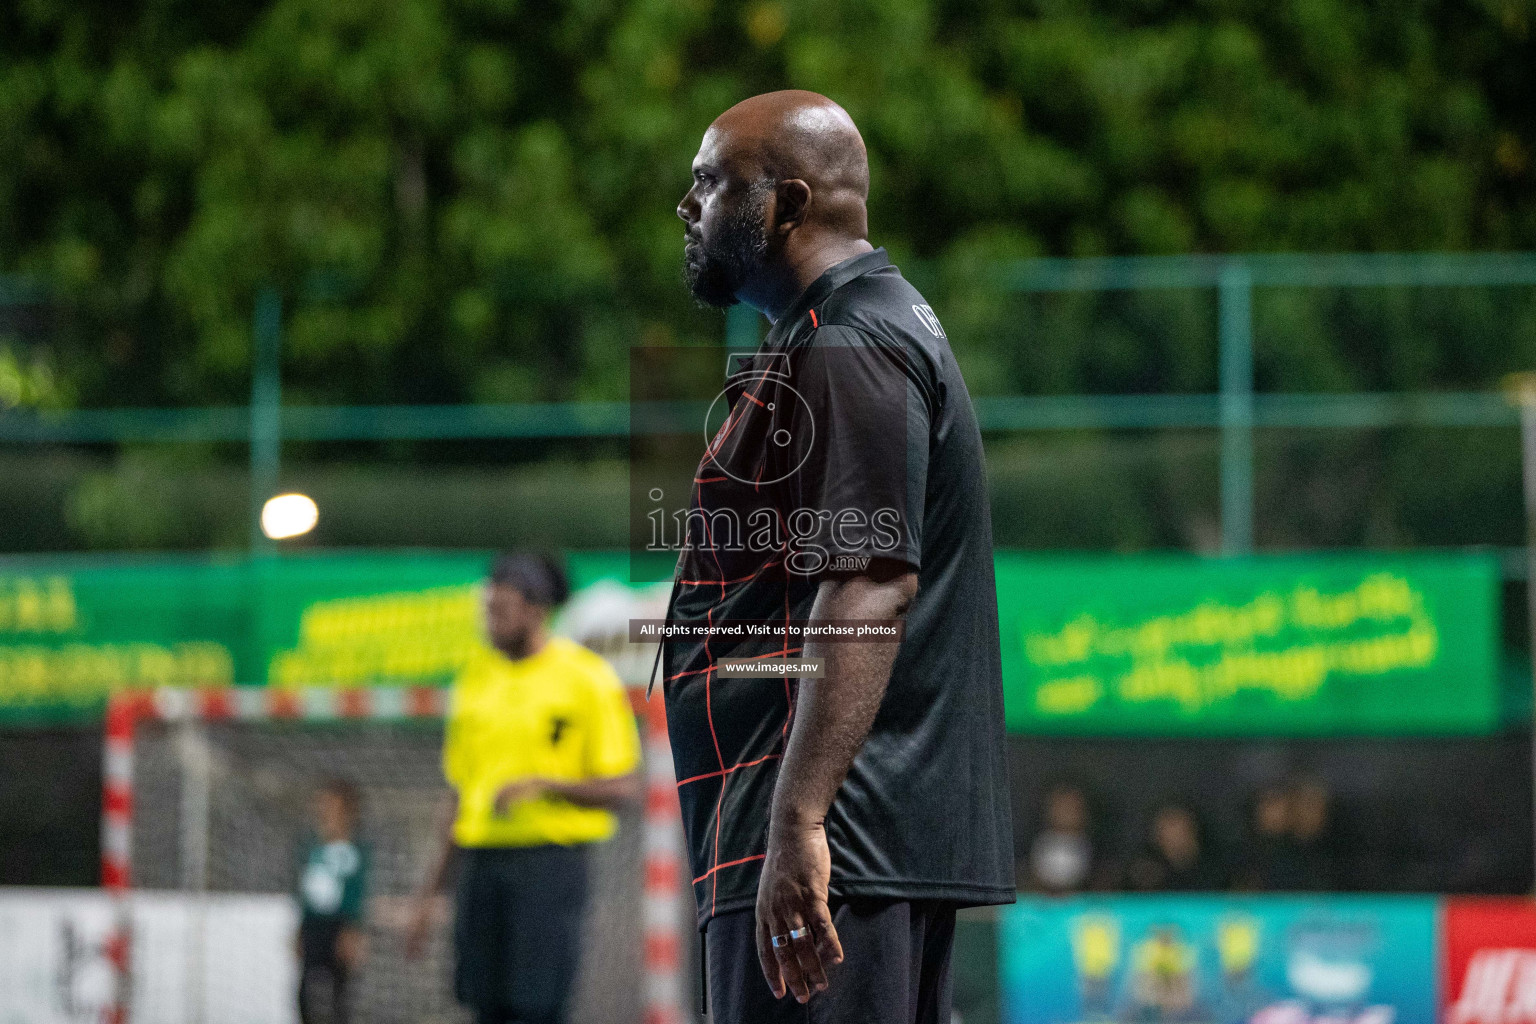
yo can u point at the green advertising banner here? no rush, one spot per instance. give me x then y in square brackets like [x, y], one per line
[1304, 645]
[1113, 646]
[74, 630]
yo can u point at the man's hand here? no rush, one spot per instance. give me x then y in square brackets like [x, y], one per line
[419, 930]
[351, 947]
[517, 792]
[792, 895]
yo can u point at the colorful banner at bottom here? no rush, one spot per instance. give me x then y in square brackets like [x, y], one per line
[1222, 960]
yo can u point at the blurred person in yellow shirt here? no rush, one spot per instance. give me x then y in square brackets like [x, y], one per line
[540, 748]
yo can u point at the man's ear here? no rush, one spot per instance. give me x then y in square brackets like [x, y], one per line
[793, 197]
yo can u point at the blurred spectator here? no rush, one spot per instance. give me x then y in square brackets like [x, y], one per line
[1175, 858]
[1290, 843]
[1270, 859]
[1311, 808]
[1061, 855]
[332, 883]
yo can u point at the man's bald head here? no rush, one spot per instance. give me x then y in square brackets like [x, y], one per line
[780, 178]
[797, 134]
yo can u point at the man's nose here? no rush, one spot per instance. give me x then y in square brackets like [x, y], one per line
[687, 209]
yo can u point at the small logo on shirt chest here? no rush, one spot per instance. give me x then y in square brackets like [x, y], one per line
[557, 727]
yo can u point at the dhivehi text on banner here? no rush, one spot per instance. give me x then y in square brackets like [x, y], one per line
[1091, 645]
[1303, 645]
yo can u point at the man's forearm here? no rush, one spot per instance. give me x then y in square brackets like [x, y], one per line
[437, 873]
[833, 714]
[606, 793]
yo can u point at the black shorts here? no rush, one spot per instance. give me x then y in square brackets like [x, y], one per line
[895, 968]
[517, 929]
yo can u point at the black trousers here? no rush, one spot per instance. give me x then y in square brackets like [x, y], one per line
[323, 992]
[517, 931]
[895, 969]
[322, 976]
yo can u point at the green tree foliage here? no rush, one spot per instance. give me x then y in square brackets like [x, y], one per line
[473, 199]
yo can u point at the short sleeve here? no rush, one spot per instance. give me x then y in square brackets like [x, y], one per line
[863, 416]
[613, 740]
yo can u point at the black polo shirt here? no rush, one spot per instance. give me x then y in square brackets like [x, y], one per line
[850, 436]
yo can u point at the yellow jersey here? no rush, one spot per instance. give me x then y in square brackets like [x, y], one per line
[561, 713]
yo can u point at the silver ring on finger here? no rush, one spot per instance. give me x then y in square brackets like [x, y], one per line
[780, 941]
[799, 933]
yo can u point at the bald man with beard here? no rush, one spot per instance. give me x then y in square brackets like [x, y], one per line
[837, 818]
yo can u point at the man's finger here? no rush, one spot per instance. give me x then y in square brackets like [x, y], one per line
[767, 960]
[827, 943]
[802, 940]
[789, 964]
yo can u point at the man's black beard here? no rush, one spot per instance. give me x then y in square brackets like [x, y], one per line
[515, 646]
[715, 272]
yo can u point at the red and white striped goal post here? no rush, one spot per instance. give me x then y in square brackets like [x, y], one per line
[661, 852]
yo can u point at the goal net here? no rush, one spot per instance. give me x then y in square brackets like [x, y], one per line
[221, 786]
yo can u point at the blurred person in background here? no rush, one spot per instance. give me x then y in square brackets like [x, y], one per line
[1311, 830]
[1175, 858]
[332, 884]
[540, 749]
[1061, 856]
[1269, 858]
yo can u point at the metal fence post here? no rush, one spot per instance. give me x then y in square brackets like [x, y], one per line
[266, 407]
[1524, 393]
[1235, 314]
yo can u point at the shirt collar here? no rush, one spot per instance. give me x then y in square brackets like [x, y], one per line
[830, 281]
